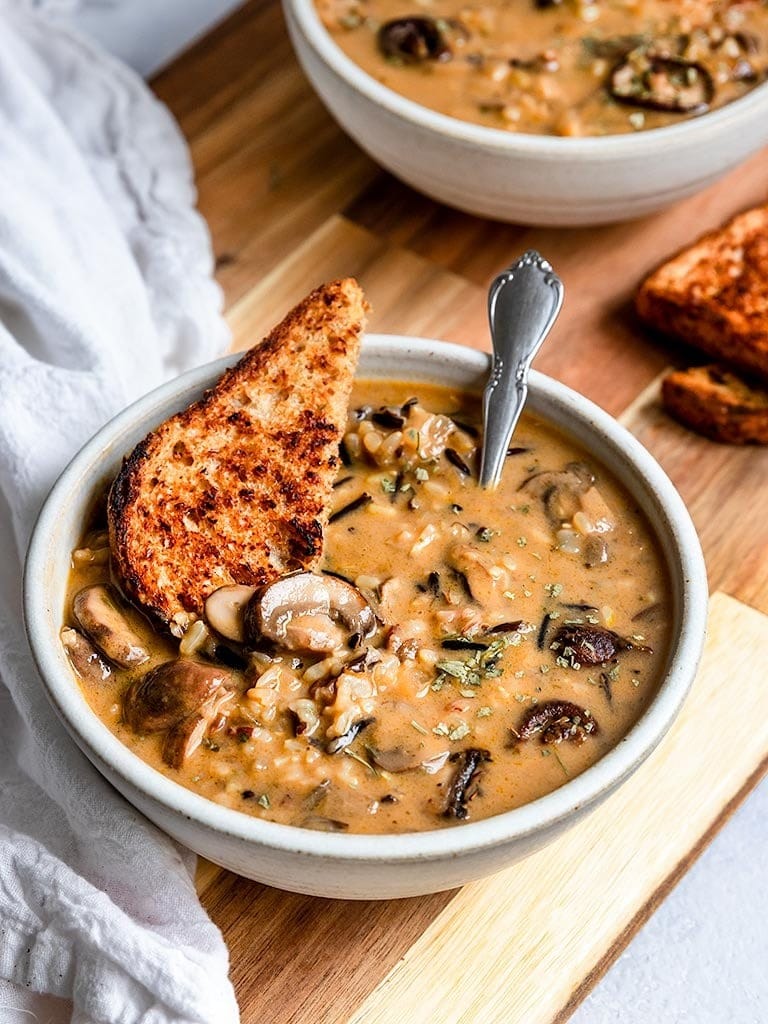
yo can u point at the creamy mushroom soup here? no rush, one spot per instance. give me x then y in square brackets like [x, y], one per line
[558, 67]
[458, 653]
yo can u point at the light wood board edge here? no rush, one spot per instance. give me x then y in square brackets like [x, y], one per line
[524, 946]
[656, 898]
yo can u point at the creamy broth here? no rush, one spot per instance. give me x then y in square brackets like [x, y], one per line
[517, 635]
[576, 67]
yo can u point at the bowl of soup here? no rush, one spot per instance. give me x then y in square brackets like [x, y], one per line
[571, 113]
[464, 675]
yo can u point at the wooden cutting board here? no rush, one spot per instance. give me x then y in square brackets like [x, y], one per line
[290, 202]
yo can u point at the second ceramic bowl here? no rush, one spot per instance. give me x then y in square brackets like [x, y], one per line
[511, 176]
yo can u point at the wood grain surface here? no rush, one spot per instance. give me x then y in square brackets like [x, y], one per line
[291, 201]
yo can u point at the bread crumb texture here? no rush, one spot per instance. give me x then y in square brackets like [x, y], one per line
[714, 295]
[236, 488]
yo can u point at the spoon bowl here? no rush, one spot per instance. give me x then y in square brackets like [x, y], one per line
[523, 303]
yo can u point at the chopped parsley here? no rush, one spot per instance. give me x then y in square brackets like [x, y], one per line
[481, 665]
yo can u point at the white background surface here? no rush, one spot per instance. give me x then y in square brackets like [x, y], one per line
[149, 33]
[703, 957]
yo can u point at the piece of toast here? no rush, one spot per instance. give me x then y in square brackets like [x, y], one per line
[717, 403]
[237, 487]
[714, 295]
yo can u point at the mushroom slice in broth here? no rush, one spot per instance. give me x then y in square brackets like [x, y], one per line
[100, 612]
[173, 691]
[558, 721]
[84, 657]
[309, 612]
[225, 610]
[184, 739]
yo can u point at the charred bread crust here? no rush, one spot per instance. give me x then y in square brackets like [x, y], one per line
[717, 403]
[714, 294]
[236, 488]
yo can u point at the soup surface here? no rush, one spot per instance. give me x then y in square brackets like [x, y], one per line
[475, 651]
[558, 67]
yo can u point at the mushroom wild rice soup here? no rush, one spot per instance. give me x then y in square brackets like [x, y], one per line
[558, 67]
[458, 653]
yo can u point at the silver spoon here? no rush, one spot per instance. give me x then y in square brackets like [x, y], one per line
[523, 303]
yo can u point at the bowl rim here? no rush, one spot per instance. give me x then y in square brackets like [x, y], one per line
[646, 142]
[541, 815]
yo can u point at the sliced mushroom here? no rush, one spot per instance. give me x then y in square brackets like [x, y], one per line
[99, 611]
[476, 576]
[591, 645]
[309, 612]
[225, 610]
[84, 658]
[655, 82]
[396, 760]
[174, 691]
[587, 645]
[465, 785]
[560, 491]
[557, 721]
[413, 40]
[184, 739]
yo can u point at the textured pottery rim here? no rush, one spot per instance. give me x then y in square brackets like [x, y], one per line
[612, 443]
[650, 141]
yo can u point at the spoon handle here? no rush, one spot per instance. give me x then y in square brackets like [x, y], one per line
[523, 303]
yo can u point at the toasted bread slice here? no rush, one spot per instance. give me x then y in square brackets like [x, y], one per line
[714, 295]
[717, 403]
[237, 487]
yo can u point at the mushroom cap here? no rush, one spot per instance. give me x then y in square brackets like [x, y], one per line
[100, 612]
[225, 610]
[84, 658]
[173, 691]
[183, 739]
[309, 611]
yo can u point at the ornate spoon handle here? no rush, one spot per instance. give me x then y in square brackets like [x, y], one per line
[523, 303]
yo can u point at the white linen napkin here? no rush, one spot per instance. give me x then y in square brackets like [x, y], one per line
[105, 290]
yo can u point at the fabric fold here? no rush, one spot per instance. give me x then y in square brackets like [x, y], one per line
[106, 290]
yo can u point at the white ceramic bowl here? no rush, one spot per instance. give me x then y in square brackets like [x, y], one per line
[356, 866]
[526, 179]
